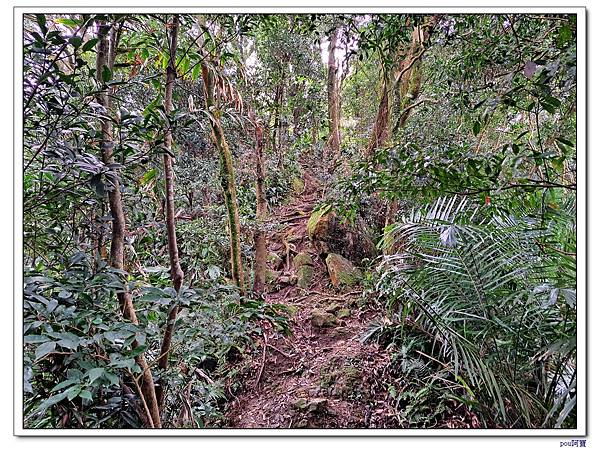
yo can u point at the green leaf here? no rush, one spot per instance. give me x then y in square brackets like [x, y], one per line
[565, 142]
[86, 395]
[89, 45]
[148, 176]
[564, 35]
[476, 128]
[52, 401]
[64, 384]
[44, 349]
[75, 41]
[52, 305]
[106, 74]
[41, 20]
[68, 22]
[138, 350]
[196, 71]
[35, 339]
[69, 340]
[95, 373]
[73, 392]
[114, 379]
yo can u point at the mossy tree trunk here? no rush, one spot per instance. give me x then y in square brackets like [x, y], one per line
[260, 240]
[176, 271]
[380, 133]
[408, 88]
[227, 177]
[399, 87]
[333, 97]
[106, 52]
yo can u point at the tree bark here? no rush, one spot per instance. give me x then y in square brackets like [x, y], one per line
[333, 97]
[176, 272]
[117, 250]
[408, 81]
[227, 178]
[380, 133]
[260, 240]
[276, 142]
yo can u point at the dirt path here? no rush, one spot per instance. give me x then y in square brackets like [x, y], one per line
[319, 376]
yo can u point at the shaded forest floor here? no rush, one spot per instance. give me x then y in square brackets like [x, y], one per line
[319, 376]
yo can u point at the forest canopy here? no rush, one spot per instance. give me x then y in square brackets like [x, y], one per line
[299, 220]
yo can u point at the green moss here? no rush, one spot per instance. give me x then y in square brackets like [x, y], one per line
[274, 260]
[297, 185]
[305, 274]
[302, 259]
[271, 276]
[342, 272]
[316, 218]
[320, 318]
[342, 313]
[341, 382]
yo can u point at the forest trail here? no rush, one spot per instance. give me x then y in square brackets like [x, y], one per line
[318, 377]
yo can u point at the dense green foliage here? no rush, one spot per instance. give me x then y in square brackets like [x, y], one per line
[475, 283]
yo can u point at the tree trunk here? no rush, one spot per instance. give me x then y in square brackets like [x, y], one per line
[227, 178]
[380, 133]
[333, 98]
[176, 272]
[260, 240]
[276, 142]
[117, 250]
[409, 78]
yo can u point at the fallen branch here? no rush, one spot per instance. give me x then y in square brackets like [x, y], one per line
[293, 219]
[279, 351]
[262, 364]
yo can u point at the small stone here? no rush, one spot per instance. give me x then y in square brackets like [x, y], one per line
[288, 279]
[302, 423]
[272, 275]
[302, 259]
[292, 310]
[342, 313]
[300, 404]
[305, 274]
[320, 318]
[342, 272]
[274, 260]
[297, 185]
[317, 405]
[332, 308]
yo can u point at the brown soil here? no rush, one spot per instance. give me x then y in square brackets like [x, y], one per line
[317, 377]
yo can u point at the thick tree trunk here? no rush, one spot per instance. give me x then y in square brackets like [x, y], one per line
[333, 98]
[176, 272]
[260, 240]
[227, 179]
[117, 250]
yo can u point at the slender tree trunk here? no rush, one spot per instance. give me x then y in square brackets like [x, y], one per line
[277, 148]
[176, 272]
[408, 79]
[333, 98]
[380, 133]
[117, 251]
[260, 240]
[227, 179]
